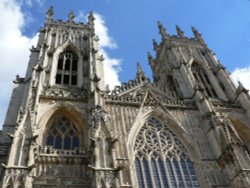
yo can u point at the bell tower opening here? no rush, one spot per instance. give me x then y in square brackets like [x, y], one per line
[203, 80]
[67, 66]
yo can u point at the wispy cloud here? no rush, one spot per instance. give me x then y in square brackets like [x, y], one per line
[30, 3]
[14, 48]
[242, 75]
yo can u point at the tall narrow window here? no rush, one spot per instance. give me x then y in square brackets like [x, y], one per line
[67, 68]
[161, 160]
[202, 79]
[63, 135]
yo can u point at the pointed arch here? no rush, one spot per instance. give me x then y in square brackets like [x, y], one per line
[162, 154]
[201, 78]
[67, 65]
[67, 115]
[167, 119]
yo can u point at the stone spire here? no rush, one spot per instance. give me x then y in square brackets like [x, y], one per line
[162, 30]
[179, 31]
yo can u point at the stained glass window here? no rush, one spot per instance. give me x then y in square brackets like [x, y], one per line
[161, 160]
[63, 135]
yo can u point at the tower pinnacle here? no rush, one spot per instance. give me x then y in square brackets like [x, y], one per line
[179, 31]
[198, 35]
[162, 30]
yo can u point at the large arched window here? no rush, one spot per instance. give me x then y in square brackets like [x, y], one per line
[161, 160]
[63, 135]
[202, 79]
[67, 68]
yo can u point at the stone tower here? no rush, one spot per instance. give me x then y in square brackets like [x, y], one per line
[190, 127]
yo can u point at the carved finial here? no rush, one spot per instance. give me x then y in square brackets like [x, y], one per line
[139, 69]
[179, 31]
[150, 56]
[150, 59]
[50, 13]
[71, 16]
[91, 18]
[241, 88]
[156, 46]
[162, 30]
[140, 74]
[198, 35]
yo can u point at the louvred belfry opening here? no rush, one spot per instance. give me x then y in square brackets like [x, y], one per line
[67, 68]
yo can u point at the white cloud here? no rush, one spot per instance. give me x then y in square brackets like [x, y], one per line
[242, 75]
[102, 31]
[111, 65]
[14, 48]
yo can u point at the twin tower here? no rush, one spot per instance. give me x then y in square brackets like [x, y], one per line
[190, 127]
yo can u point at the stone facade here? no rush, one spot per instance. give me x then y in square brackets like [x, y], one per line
[190, 127]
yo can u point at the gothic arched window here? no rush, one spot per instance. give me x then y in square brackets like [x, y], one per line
[161, 160]
[63, 135]
[202, 79]
[67, 68]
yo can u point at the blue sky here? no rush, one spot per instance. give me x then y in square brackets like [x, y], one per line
[131, 24]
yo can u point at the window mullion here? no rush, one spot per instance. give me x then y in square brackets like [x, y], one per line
[63, 69]
[167, 172]
[70, 70]
[143, 172]
[181, 170]
[159, 173]
[188, 170]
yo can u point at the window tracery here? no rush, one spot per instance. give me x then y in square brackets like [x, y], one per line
[67, 68]
[202, 79]
[63, 135]
[161, 160]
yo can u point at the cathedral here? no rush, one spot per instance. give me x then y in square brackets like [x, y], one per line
[187, 128]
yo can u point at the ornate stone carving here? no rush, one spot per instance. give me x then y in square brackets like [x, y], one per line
[65, 94]
[14, 178]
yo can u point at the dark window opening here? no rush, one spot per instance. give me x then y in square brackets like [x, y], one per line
[203, 80]
[67, 68]
[74, 65]
[66, 79]
[58, 79]
[60, 64]
[73, 80]
[67, 64]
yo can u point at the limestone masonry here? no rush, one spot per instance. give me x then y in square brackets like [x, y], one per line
[189, 127]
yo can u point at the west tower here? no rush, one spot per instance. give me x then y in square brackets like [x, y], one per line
[64, 128]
